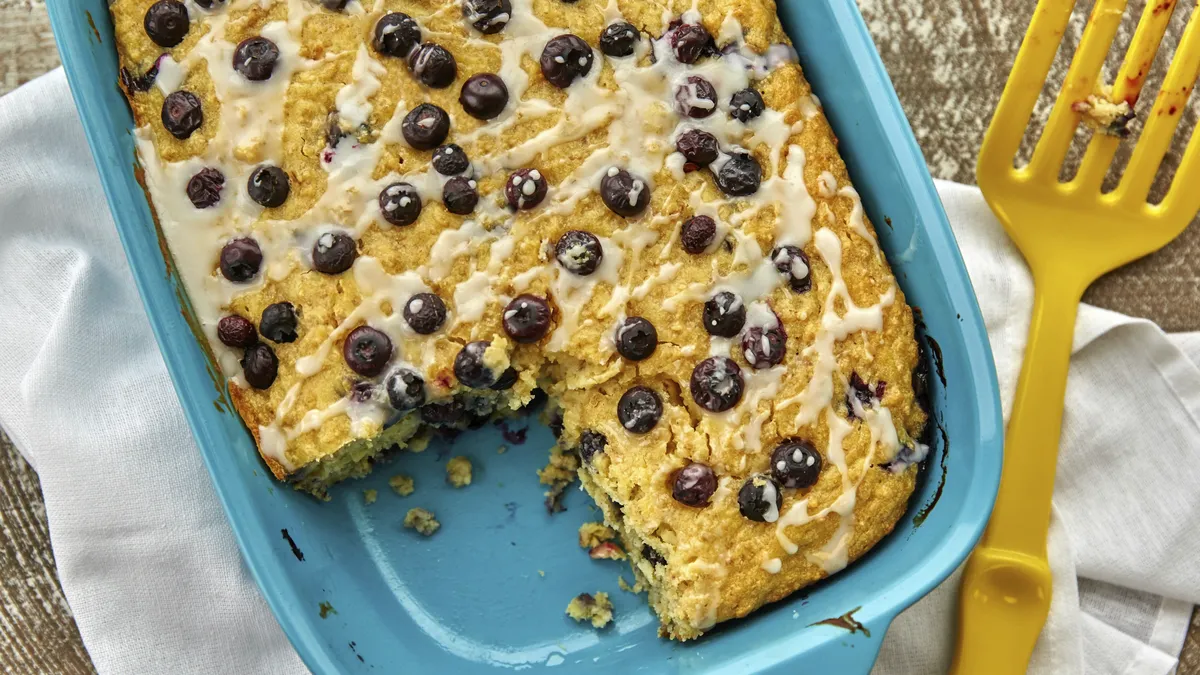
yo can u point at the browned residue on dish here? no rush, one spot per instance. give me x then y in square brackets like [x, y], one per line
[846, 621]
[92, 25]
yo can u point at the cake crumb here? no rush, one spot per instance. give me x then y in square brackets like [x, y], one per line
[419, 443]
[592, 534]
[501, 450]
[369, 496]
[637, 586]
[458, 472]
[586, 607]
[558, 473]
[541, 573]
[1104, 115]
[401, 484]
[422, 521]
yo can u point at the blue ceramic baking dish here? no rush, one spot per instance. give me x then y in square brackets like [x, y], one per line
[488, 591]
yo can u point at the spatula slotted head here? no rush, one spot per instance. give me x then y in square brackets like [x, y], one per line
[1081, 204]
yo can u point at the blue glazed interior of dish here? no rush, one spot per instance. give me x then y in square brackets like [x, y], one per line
[489, 589]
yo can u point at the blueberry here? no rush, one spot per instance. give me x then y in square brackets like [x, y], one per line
[204, 188]
[483, 96]
[696, 98]
[556, 423]
[433, 65]
[166, 22]
[425, 313]
[698, 148]
[920, 384]
[564, 58]
[527, 318]
[487, 16]
[639, 409]
[636, 339]
[739, 176]
[793, 264]
[405, 389]
[619, 39]
[525, 188]
[758, 500]
[745, 105]
[795, 463]
[691, 41]
[694, 484]
[697, 234]
[182, 114]
[579, 252]
[623, 193]
[861, 392]
[260, 366]
[717, 384]
[278, 323]
[268, 186]
[444, 413]
[506, 380]
[460, 195]
[208, 4]
[450, 160]
[764, 347]
[236, 331]
[654, 557]
[334, 253]
[367, 351]
[590, 443]
[469, 367]
[333, 129]
[363, 391]
[255, 58]
[400, 204]
[240, 260]
[724, 314]
[425, 127]
[139, 83]
[396, 34]
[332, 5]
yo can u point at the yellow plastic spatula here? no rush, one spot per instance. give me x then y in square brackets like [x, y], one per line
[1070, 233]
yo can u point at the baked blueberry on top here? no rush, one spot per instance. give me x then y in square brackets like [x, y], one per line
[166, 22]
[204, 188]
[425, 126]
[619, 39]
[565, 58]
[484, 96]
[269, 186]
[400, 204]
[525, 188]
[255, 58]
[396, 34]
[487, 16]
[182, 114]
[334, 253]
[579, 252]
[433, 65]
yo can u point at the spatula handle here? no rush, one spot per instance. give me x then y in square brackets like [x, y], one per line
[1021, 517]
[1006, 585]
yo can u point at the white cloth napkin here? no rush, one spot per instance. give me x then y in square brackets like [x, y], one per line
[150, 568]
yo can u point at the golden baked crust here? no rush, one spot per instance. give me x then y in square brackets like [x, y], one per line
[702, 563]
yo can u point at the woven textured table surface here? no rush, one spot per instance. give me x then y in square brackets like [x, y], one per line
[948, 60]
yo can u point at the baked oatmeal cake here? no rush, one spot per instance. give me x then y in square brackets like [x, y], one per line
[395, 216]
